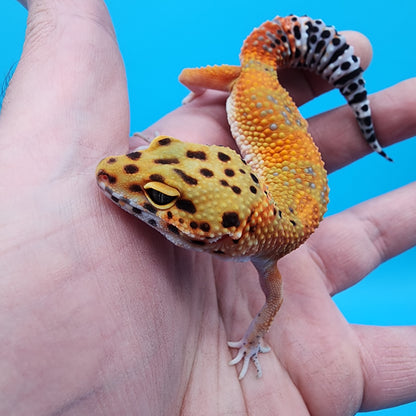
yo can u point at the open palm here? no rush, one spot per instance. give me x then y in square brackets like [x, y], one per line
[101, 315]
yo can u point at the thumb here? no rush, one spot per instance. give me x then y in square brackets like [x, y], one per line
[68, 94]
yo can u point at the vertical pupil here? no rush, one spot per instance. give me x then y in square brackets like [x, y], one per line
[158, 197]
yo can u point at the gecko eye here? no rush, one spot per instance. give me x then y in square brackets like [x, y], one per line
[160, 195]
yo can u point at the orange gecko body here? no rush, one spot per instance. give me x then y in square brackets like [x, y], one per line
[266, 201]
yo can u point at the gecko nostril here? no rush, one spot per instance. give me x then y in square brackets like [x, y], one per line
[104, 177]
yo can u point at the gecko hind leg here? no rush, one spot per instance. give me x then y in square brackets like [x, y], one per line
[250, 345]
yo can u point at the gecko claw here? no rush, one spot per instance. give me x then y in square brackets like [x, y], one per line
[246, 353]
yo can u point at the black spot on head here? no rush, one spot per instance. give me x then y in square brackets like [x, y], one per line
[111, 179]
[193, 225]
[253, 189]
[313, 39]
[111, 160]
[236, 190]
[364, 107]
[230, 219]
[171, 161]
[164, 142]
[223, 182]
[254, 177]
[131, 169]
[135, 187]
[181, 220]
[196, 155]
[186, 178]
[207, 173]
[173, 229]
[170, 215]
[150, 207]
[157, 178]
[186, 205]
[223, 157]
[204, 226]
[152, 223]
[229, 172]
[134, 155]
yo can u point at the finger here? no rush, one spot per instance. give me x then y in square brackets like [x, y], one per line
[203, 120]
[351, 244]
[304, 85]
[67, 83]
[389, 365]
[206, 117]
[337, 134]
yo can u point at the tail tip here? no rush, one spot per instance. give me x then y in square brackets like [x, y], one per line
[384, 154]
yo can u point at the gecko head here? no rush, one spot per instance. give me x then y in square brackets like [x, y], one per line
[193, 194]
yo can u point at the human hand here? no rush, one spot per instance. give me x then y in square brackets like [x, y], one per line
[102, 315]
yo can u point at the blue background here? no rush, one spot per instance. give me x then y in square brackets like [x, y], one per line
[158, 39]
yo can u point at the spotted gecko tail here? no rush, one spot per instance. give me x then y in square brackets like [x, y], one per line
[302, 42]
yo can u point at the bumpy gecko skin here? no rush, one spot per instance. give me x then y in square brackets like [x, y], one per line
[264, 202]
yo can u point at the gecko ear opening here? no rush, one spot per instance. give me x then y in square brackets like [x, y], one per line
[160, 195]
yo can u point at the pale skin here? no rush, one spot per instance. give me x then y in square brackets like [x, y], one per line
[101, 315]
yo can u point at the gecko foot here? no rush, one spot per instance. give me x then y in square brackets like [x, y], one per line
[191, 96]
[247, 351]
